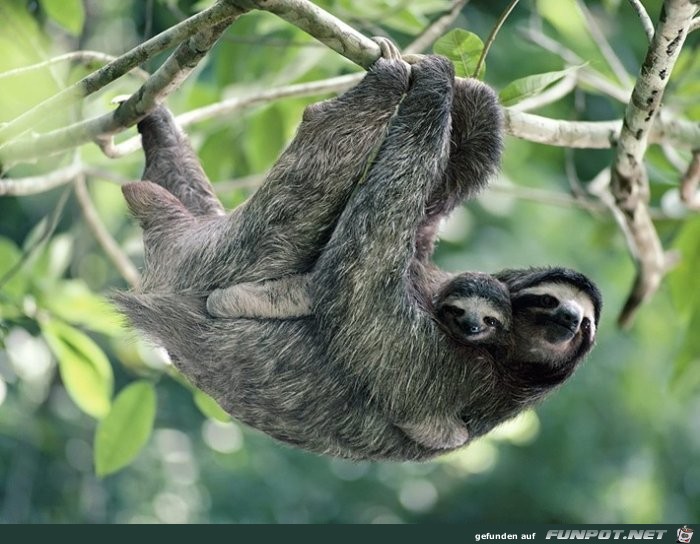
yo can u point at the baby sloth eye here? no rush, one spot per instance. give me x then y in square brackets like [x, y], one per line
[492, 321]
[548, 301]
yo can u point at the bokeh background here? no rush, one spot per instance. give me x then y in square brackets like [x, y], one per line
[619, 443]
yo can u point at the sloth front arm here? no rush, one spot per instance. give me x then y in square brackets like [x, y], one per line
[282, 298]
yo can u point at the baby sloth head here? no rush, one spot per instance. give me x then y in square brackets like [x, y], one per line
[475, 309]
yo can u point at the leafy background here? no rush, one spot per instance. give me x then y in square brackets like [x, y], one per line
[619, 443]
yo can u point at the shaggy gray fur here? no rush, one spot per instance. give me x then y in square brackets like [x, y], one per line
[370, 374]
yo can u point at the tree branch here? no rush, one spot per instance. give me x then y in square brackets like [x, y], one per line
[644, 18]
[555, 92]
[690, 182]
[230, 105]
[436, 29]
[84, 56]
[323, 26]
[164, 81]
[219, 12]
[40, 184]
[604, 46]
[593, 134]
[115, 254]
[629, 182]
[586, 75]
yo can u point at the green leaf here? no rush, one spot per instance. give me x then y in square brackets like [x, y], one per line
[525, 87]
[209, 407]
[690, 349]
[123, 433]
[570, 24]
[683, 279]
[9, 257]
[85, 369]
[463, 49]
[54, 259]
[70, 14]
[73, 301]
[572, 30]
[405, 21]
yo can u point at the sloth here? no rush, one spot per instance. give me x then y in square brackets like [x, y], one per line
[377, 369]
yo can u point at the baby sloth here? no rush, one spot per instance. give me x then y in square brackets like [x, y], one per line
[475, 308]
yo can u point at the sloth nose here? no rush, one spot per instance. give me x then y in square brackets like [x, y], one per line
[471, 324]
[569, 317]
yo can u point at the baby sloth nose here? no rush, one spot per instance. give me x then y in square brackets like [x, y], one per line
[472, 324]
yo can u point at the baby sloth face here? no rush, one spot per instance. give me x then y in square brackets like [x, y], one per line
[475, 309]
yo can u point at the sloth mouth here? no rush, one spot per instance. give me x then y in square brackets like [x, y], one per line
[558, 332]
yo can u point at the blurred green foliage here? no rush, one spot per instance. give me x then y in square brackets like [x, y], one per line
[619, 443]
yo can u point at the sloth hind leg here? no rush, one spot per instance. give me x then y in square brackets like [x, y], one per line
[172, 164]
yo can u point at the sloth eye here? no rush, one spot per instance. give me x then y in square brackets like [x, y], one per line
[586, 324]
[548, 301]
[492, 322]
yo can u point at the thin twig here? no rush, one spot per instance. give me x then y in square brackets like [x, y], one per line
[593, 134]
[323, 26]
[602, 42]
[542, 196]
[92, 219]
[51, 224]
[165, 80]
[554, 93]
[586, 75]
[690, 182]
[674, 157]
[492, 35]
[435, 29]
[84, 56]
[644, 18]
[40, 184]
[694, 25]
[107, 175]
[572, 175]
[230, 105]
[221, 11]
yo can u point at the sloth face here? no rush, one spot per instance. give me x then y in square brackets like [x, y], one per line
[554, 323]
